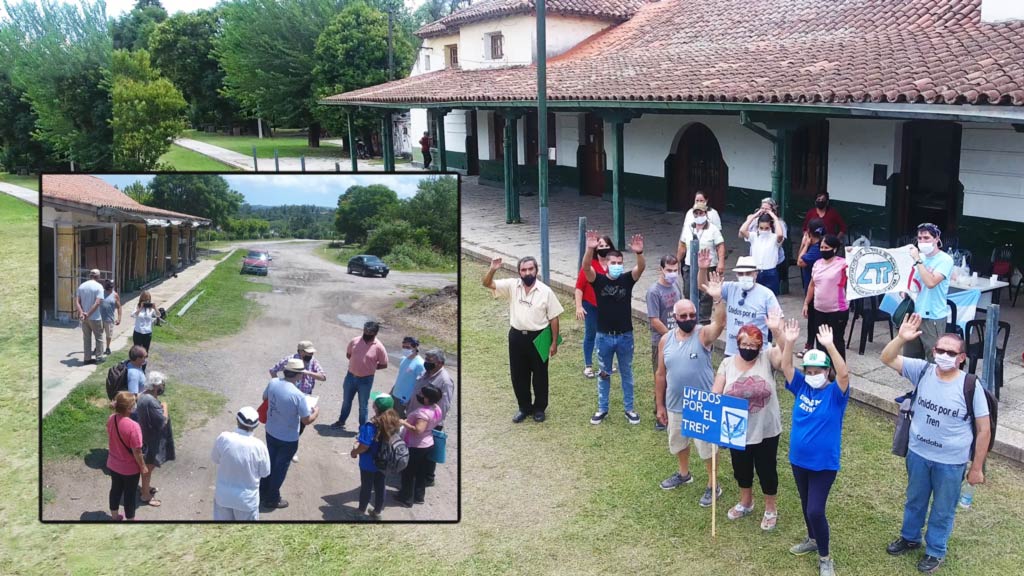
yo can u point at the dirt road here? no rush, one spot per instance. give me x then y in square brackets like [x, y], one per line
[311, 300]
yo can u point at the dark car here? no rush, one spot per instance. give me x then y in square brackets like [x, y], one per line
[256, 262]
[366, 265]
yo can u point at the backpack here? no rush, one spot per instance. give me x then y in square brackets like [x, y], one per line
[970, 383]
[391, 456]
[117, 379]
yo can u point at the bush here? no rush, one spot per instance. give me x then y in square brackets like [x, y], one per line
[387, 236]
[413, 256]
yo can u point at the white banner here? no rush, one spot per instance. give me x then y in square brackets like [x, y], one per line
[873, 271]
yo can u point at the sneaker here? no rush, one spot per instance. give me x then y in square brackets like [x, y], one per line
[659, 427]
[929, 564]
[705, 500]
[373, 514]
[598, 417]
[806, 547]
[633, 417]
[901, 545]
[295, 459]
[589, 372]
[106, 352]
[338, 425]
[675, 481]
[825, 567]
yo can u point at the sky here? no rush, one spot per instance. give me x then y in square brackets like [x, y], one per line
[305, 189]
[118, 7]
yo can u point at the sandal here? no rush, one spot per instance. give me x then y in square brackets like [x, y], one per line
[117, 518]
[739, 511]
[153, 490]
[589, 372]
[769, 520]
[152, 502]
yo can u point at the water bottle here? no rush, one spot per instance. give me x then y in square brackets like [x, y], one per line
[966, 495]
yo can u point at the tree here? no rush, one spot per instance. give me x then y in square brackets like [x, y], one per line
[435, 208]
[60, 57]
[182, 49]
[359, 205]
[18, 149]
[132, 30]
[266, 51]
[206, 195]
[148, 112]
[138, 192]
[433, 10]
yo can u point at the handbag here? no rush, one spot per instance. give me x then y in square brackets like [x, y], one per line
[440, 441]
[262, 411]
[901, 438]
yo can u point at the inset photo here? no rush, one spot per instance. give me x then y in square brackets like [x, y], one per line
[249, 347]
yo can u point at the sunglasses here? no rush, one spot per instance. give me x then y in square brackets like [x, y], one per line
[743, 297]
[944, 352]
[686, 316]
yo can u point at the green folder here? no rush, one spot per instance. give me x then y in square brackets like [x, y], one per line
[543, 343]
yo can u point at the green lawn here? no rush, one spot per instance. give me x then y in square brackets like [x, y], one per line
[288, 145]
[31, 181]
[183, 159]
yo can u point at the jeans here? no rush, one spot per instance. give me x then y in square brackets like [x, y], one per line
[620, 345]
[814, 486]
[769, 279]
[940, 483]
[281, 453]
[371, 482]
[589, 332]
[353, 384]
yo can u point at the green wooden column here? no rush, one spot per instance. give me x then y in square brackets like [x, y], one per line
[386, 143]
[514, 138]
[442, 154]
[785, 137]
[618, 200]
[510, 155]
[352, 146]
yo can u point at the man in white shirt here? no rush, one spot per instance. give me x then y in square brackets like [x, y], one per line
[87, 304]
[241, 461]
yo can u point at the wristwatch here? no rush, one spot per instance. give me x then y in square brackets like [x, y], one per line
[919, 262]
[640, 252]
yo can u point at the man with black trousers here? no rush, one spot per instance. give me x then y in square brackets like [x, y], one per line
[532, 307]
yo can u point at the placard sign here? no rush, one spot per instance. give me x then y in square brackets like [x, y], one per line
[715, 418]
[872, 271]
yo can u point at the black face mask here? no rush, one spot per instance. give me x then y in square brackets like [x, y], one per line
[603, 252]
[529, 279]
[748, 355]
[821, 203]
[306, 359]
[368, 337]
[421, 399]
[430, 366]
[687, 325]
[828, 254]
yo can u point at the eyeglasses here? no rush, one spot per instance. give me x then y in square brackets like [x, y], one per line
[950, 353]
[686, 316]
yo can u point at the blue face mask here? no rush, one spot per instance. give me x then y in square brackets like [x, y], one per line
[614, 271]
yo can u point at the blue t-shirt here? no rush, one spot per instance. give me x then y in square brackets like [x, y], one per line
[367, 432]
[136, 379]
[817, 424]
[286, 406]
[408, 371]
[931, 302]
[939, 430]
[812, 255]
[756, 303]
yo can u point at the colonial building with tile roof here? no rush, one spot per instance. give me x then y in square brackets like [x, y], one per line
[903, 110]
[88, 223]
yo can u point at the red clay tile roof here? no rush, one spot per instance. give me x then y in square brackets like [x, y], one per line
[613, 10]
[840, 51]
[92, 191]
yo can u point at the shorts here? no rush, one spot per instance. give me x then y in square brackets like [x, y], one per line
[677, 442]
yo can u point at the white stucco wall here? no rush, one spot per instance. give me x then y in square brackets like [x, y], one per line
[567, 138]
[418, 125]
[455, 131]
[520, 39]
[483, 134]
[434, 47]
[854, 147]
[992, 172]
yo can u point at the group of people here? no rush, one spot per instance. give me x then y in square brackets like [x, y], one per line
[759, 342]
[98, 307]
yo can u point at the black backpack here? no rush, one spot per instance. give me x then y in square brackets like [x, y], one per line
[117, 379]
[970, 383]
[392, 456]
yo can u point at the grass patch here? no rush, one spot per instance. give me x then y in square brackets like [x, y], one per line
[339, 256]
[222, 310]
[399, 305]
[287, 143]
[31, 181]
[183, 159]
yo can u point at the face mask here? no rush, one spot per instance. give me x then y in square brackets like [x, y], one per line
[306, 359]
[746, 282]
[686, 325]
[368, 337]
[529, 279]
[821, 204]
[421, 399]
[828, 254]
[945, 362]
[763, 233]
[700, 219]
[748, 355]
[816, 381]
[671, 277]
[925, 247]
[603, 252]
[409, 352]
[614, 271]
[430, 366]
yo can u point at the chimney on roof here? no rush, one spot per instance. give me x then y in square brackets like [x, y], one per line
[993, 11]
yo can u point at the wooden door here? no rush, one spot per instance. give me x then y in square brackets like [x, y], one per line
[698, 166]
[930, 176]
[594, 161]
[472, 147]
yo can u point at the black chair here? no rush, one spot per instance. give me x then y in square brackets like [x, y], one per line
[976, 348]
[866, 309]
[951, 325]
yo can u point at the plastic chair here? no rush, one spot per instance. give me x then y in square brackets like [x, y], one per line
[951, 325]
[867, 310]
[975, 342]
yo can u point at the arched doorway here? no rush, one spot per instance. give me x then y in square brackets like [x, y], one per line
[696, 164]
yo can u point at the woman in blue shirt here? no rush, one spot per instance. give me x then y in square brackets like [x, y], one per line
[816, 435]
[379, 429]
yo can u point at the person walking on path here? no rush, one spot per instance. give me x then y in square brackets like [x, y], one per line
[830, 217]
[815, 440]
[366, 355]
[932, 269]
[586, 303]
[124, 456]
[825, 303]
[436, 375]
[88, 299]
[684, 359]
[747, 302]
[532, 308]
[242, 460]
[110, 311]
[419, 437]
[310, 374]
[942, 440]
[615, 323]
[287, 408]
[157, 438]
[425, 149]
[765, 243]
[409, 371]
[145, 314]
[661, 298]
[380, 428]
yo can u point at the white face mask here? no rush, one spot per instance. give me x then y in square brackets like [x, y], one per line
[816, 380]
[925, 247]
[746, 282]
[764, 233]
[671, 277]
[409, 353]
[945, 362]
[700, 219]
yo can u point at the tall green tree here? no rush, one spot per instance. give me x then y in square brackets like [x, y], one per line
[139, 192]
[148, 112]
[18, 149]
[266, 49]
[360, 206]
[206, 195]
[59, 55]
[435, 208]
[182, 49]
[132, 30]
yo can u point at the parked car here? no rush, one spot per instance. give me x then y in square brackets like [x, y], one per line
[256, 262]
[367, 265]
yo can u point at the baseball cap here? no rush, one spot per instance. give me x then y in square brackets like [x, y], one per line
[816, 358]
[698, 205]
[248, 416]
[383, 401]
